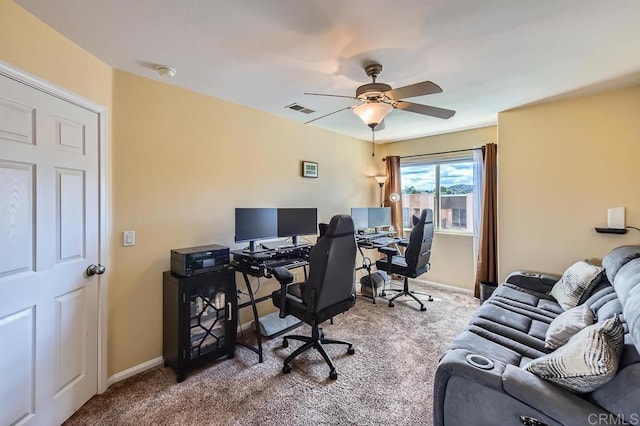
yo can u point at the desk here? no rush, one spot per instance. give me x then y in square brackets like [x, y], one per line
[261, 264]
[374, 241]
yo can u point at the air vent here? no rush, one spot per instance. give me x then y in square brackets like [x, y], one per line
[300, 108]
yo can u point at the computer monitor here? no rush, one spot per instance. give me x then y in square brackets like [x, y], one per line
[297, 221]
[254, 224]
[360, 216]
[379, 217]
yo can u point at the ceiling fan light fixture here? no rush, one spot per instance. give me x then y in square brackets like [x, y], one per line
[372, 113]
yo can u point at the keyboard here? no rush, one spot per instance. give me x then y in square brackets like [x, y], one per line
[287, 263]
[384, 241]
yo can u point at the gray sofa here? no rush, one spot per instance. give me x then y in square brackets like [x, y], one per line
[509, 330]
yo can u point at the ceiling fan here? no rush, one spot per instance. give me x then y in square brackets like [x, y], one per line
[378, 99]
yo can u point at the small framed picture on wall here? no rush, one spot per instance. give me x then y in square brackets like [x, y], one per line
[309, 169]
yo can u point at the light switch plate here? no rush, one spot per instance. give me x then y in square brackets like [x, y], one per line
[129, 238]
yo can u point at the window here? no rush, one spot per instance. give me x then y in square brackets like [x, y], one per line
[446, 186]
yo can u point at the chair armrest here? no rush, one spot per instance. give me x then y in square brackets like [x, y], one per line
[389, 251]
[542, 283]
[284, 277]
[403, 243]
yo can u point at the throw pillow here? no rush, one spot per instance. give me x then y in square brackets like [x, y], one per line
[588, 360]
[576, 284]
[567, 324]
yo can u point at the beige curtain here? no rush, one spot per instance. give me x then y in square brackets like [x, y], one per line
[393, 186]
[488, 247]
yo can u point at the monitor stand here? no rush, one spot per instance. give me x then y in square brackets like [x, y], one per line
[253, 247]
[294, 240]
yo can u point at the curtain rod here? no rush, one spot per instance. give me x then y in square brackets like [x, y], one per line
[439, 153]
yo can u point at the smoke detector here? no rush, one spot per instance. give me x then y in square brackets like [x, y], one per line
[165, 71]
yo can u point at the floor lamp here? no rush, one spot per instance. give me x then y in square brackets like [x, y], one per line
[380, 180]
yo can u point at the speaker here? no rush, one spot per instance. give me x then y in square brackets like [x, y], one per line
[615, 218]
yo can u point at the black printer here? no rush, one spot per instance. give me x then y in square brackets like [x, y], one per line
[199, 260]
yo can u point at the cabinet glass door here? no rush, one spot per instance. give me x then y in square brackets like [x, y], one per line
[208, 314]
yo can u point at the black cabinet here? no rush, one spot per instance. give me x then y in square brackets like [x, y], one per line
[199, 319]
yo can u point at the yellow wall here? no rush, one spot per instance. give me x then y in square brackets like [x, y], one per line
[561, 165]
[452, 254]
[182, 163]
[30, 45]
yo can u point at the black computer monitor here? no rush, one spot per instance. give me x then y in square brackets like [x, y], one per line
[254, 224]
[360, 216]
[297, 221]
[379, 217]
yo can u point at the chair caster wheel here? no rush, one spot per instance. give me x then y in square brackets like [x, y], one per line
[383, 294]
[286, 369]
[422, 308]
[430, 299]
[322, 335]
[333, 375]
[351, 351]
[391, 305]
[285, 343]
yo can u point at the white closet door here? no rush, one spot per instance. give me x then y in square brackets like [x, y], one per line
[49, 235]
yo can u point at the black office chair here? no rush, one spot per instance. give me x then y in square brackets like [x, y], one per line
[415, 261]
[330, 289]
[322, 229]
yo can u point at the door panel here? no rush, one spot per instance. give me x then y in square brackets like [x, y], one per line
[70, 214]
[18, 368]
[16, 205]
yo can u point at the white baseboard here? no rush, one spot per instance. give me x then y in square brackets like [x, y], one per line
[448, 287]
[135, 370]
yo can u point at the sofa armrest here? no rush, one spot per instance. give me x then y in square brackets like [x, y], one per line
[551, 401]
[454, 363]
[542, 283]
[565, 407]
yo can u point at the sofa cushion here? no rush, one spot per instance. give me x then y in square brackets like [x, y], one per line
[510, 325]
[522, 300]
[588, 360]
[576, 284]
[567, 324]
[627, 286]
[617, 258]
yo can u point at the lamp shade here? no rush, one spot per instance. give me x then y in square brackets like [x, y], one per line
[380, 179]
[372, 113]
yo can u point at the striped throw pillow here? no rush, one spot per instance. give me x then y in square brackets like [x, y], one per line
[576, 284]
[588, 360]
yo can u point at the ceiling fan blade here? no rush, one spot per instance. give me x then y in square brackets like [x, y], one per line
[334, 96]
[425, 109]
[379, 127]
[326, 115]
[413, 90]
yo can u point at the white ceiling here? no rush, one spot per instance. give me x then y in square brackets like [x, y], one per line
[488, 56]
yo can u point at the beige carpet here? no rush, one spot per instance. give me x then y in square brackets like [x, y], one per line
[389, 380]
